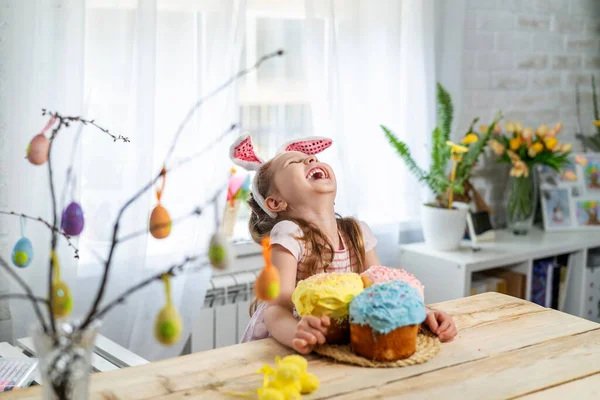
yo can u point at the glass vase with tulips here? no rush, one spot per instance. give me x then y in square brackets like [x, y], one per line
[524, 149]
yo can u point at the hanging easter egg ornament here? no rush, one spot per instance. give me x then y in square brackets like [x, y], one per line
[22, 253]
[62, 301]
[168, 325]
[72, 219]
[160, 221]
[267, 284]
[37, 151]
[220, 252]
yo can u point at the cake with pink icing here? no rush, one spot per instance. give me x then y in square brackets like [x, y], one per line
[380, 274]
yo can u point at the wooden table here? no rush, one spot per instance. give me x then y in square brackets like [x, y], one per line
[506, 348]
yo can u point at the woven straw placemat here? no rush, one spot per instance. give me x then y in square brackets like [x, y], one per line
[428, 345]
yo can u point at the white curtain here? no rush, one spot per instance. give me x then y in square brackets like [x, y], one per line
[373, 64]
[135, 67]
[370, 63]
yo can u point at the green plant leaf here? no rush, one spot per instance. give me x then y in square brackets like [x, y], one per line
[475, 120]
[404, 153]
[444, 112]
[440, 153]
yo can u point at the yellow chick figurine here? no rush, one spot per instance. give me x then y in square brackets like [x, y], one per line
[270, 394]
[288, 380]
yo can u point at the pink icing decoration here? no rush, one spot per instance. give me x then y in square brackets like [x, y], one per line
[380, 274]
[245, 152]
[309, 147]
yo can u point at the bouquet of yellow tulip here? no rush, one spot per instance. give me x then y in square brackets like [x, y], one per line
[523, 148]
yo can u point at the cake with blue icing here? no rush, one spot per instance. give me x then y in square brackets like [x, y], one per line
[384, 321]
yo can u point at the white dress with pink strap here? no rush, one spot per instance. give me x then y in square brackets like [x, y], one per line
[284, 234]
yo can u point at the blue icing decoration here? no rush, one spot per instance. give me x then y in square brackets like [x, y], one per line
[387, 306]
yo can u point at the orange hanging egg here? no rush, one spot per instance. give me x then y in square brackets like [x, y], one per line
[267, 284]
[160, 222]
[37, 151]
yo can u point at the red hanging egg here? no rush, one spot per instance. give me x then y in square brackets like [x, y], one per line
[160, 222]
[37, 151]
[72, 219]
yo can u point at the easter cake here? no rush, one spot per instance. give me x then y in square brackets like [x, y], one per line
[329, 294]
[380, 274]
[385, 320]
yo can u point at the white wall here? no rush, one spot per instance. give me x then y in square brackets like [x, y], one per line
[524, 57]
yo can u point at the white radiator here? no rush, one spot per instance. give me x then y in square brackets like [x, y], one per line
[225, 315]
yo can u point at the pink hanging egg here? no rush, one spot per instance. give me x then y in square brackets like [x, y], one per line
[37, 151]
[72, 219]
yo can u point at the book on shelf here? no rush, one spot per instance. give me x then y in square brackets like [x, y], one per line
[550, 281]
[516, 283]
[483, 283]
[16, 373]
[539, 281]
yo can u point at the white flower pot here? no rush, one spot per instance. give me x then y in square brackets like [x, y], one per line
[444, 228]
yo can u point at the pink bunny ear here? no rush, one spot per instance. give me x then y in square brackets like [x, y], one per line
[242, 154]
[309, 146]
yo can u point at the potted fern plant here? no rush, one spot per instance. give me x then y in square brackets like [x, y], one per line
[443, 220]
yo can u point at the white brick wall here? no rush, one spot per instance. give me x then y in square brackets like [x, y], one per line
[524, 57]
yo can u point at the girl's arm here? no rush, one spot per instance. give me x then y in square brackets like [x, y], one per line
[371, 259]
[279, 318]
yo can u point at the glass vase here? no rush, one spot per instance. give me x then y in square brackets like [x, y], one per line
[65, 360]
[521, 202]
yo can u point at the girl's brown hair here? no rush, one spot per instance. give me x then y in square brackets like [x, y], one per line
[322, 252]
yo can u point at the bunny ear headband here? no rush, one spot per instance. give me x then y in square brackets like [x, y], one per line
[242, 153]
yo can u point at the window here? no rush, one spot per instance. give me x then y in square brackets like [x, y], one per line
[274, 101]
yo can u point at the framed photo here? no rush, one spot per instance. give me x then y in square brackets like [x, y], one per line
[591, 174]
[587, 213]
[556, 207]
[571, 200]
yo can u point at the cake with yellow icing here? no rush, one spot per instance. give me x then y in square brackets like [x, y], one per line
[329, 294]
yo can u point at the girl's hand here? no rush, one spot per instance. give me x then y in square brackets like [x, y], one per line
[441, 324]
[310, 331]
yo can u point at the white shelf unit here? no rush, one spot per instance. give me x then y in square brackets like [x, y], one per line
[447, 275]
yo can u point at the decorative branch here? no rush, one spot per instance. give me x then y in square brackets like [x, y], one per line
[212, 144]
[39, 219]
[128, 203]
[50, 304]
[67, 120]
[27, 290]
[196, 211]
[62, 121]
[220, 88]
[123, 296]
[23, 296]
[70, 167]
